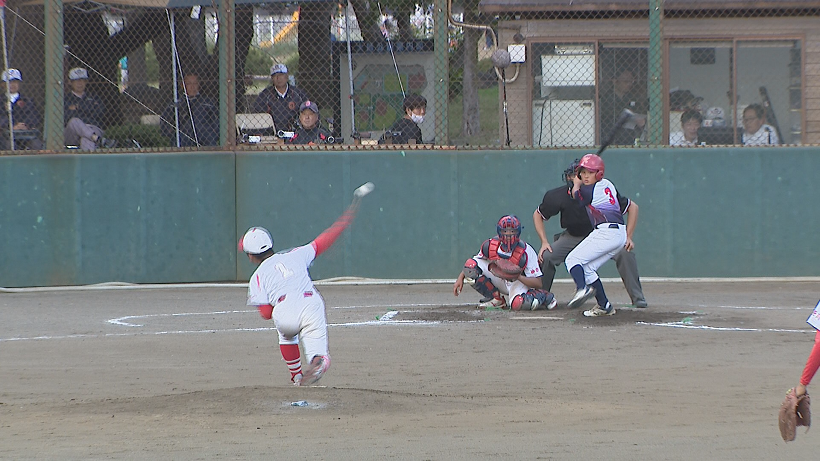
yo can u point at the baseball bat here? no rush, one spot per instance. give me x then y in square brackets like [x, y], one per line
[625, 117]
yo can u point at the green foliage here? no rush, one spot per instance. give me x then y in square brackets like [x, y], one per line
[145, 135]
[488, 107]
[151, 63]
[258, 62]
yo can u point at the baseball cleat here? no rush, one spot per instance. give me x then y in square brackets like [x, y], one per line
[641, 304]
[598, 311]
[547, 305]
[581, 296]
[314, 371]
[492, 302]
[297, 380]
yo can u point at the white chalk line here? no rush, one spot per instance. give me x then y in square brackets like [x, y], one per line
[384, 320]
[707, 327]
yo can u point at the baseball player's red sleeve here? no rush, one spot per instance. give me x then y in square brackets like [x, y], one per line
[266, 311]
[813, 363]
[325, 239]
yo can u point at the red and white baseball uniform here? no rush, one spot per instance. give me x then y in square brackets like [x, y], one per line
[506, 287]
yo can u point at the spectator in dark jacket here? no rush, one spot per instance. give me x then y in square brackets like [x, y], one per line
[281, 100]
[25, 117]
[407, 127]
[204, 130]
[83, 114]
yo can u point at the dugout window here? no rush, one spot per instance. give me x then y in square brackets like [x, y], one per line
[721, 78]
[563, 99]
[623, 71]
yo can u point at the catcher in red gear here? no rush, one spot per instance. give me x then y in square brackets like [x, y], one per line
[796, 408]
[506, 272]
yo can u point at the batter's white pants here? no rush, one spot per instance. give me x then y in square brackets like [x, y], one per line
[299, 317]
[507, 288]
[596, 249]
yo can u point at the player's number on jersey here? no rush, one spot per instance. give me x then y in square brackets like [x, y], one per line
[284, 270]
[608, 192]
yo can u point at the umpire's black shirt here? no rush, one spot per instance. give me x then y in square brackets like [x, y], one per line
[574, 216]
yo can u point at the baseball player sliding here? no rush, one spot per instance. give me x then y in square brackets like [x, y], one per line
[521, 286]
[281, 288]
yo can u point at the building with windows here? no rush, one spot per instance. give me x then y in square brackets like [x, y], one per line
[586, 60]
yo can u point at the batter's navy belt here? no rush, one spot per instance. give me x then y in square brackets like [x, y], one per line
[608, 225]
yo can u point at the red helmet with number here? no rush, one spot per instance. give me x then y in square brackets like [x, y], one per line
[509, 230]
[594, 163]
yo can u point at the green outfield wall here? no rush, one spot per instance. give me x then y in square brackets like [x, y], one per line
[176, 217]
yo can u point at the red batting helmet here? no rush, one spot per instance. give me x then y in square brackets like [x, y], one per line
[509, 230]
[594, 163]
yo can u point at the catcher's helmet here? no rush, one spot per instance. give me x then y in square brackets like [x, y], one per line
[571, 171]
[509, 230]
[594, 163]
[256, 240]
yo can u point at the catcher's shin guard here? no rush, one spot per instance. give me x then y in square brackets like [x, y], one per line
[532, 300]
[485, 286]
[471, 269]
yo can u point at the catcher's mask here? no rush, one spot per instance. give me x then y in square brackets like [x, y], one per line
[571, 171]
[509, 230]
[594, 163]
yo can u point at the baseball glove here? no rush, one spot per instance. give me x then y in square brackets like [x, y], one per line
[794, 411]
[505, 269]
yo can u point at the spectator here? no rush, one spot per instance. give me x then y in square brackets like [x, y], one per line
[755, 130]
[83, 114]
[281, 100]
[624, 94]
[24, 115]
[407, 127]
[690, 122]
[198, 117]
[310, 131]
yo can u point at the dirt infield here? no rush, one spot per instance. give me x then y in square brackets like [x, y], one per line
[417, 374]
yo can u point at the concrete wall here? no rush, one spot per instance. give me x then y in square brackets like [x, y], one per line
[155, 218]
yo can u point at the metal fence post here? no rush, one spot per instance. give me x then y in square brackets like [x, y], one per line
[53, 114]
[227, 73]
[655, 123]
[441, 46]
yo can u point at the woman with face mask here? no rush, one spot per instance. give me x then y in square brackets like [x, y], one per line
[407, 127]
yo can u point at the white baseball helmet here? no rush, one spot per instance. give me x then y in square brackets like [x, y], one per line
[256, 240]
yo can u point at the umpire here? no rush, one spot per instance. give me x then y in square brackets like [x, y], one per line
[576, 225]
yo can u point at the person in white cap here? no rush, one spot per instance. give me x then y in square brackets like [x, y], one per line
[310, 130]
[83, 113]
[24, 115]
[281, 99]
[281, 288]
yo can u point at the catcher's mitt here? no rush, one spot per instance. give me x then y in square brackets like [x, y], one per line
[794, 411]
[505, 269]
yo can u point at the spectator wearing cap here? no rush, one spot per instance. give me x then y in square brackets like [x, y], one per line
[198, 117]
[690, 122]
[310, 131]
[407, 127]
[24, 115]
[281, 99]
[83, 114]
[756, 132]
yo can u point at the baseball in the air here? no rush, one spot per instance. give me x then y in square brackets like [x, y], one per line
[364, 189]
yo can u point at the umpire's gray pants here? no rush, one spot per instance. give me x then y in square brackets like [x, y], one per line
[625, 261]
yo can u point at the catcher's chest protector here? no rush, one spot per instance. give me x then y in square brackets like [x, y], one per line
[518, 255]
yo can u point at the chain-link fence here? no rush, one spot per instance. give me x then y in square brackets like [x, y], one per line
[145, 74]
